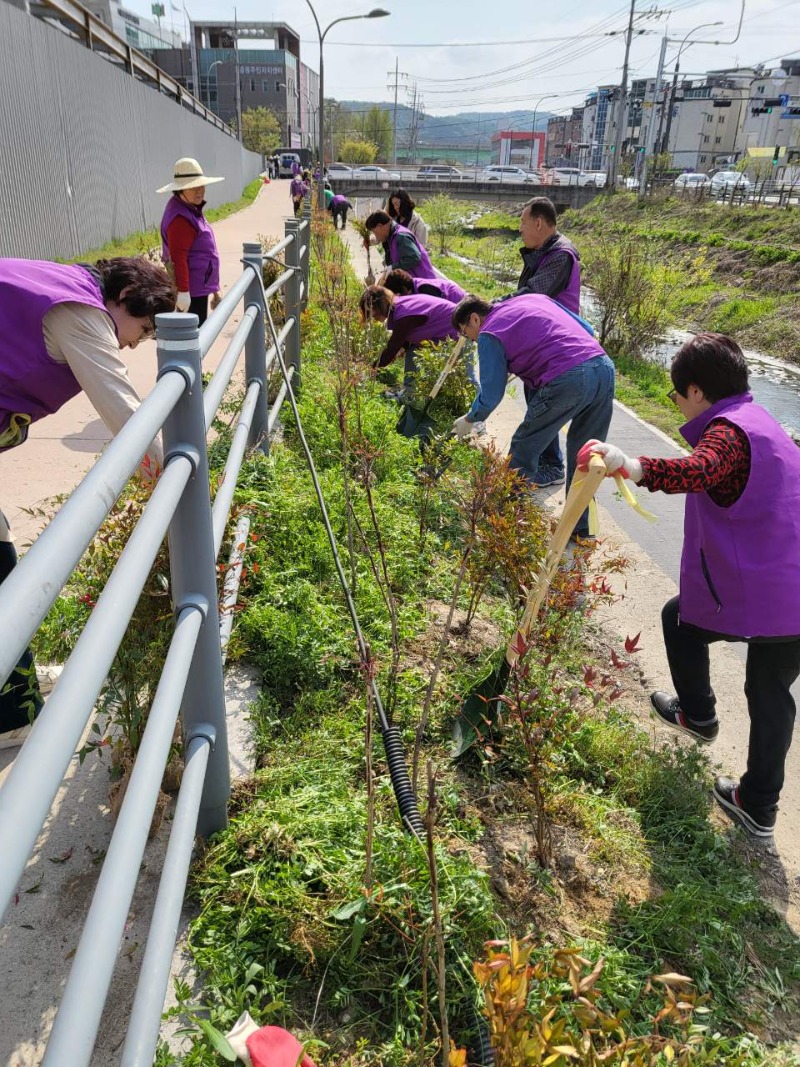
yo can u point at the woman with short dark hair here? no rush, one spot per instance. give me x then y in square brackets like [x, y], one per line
[740, 566]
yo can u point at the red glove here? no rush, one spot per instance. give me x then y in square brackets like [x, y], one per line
[586, 454]
[272, 1046]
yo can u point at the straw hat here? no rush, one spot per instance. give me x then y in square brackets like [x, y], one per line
[187, 174]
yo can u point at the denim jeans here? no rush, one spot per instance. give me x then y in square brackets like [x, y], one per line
[583, 397]
[772, 669]
[551, 455]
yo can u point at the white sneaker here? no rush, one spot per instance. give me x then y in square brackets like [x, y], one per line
[48, 676]
[14, 738]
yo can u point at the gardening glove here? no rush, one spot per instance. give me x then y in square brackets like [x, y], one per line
[463, 427]
[237, 1037]
[183, 301]
[615, 460]
[215, 299]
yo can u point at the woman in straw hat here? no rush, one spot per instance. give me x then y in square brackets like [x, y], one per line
[188, 242]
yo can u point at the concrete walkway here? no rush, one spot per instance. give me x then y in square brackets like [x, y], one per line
[41, 929]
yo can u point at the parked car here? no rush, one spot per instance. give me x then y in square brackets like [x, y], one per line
[725, 181]
[374, 173]
[285, 162]
[695, 183]
[439, 173]
[497, 173]
[599, 178]
[569, 176]
[339, 170]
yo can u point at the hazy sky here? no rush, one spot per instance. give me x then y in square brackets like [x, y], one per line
[514, 51]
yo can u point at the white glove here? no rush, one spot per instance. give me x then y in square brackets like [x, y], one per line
[463, 427]
[617, 462]
[183, 301]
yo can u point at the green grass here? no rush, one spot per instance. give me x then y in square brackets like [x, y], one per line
[136, 244]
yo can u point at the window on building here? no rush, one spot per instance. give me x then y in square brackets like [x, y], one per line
[717, 140]
[703, 159]
[709, 118]
[706, 139]
[252, 85]
[265, 86]
[277, 87]
[720, 120]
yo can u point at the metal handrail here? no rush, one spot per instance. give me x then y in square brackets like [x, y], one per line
[94, 32]
[191, 679]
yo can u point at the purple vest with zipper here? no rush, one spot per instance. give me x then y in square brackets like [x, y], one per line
[423, 269]
[541, 340]
[740, 568]
[438, 312]
[31, 381]
[203, 256]
[571, 296]
[447, 290]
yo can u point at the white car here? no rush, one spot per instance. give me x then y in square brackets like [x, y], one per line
[569, 176]
[373, 173]
[507, 174]
[437, 173]
[725, 181]
[339, 170]
[689, 183]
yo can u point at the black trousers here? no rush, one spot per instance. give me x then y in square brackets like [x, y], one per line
[20, 697]
[199, 307]
[339, 213]
[772, 669]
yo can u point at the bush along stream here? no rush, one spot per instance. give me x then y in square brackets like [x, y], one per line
[571, 901]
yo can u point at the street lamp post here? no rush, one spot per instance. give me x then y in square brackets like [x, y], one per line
[376, 13]
[216, 63]
[550, 96]
[685, 43]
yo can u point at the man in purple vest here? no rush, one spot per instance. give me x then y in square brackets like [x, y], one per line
[338, 207]
[400, 246]
[298, 191]
[571, 379]
[551, 266]
[740, 567]
[61, 330]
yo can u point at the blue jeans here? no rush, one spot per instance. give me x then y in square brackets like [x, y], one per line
[583, 397]
[551, 456]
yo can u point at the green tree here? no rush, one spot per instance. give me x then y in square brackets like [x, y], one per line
[442, 215]
[357, 151]
[261, 130]
[376, 126]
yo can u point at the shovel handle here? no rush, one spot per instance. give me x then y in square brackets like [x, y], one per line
[583, 488]
[447, 369]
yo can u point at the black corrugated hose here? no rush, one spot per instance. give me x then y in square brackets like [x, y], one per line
[395, 757]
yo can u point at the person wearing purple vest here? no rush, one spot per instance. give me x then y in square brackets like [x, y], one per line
[402, 283]
[570, 377]
[298, 191]
[61, 330]
[338, 207]
[740, 566]
[188, 245]
[551, 266]
[412, 320]
[400, 246]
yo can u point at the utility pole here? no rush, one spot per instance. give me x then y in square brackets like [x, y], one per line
[238, 77]
[622, 106]
[651, 125]
[395, 84]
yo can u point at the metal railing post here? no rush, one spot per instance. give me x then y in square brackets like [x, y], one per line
[193, 565]
[255, 351]
[304, 240]
[293, 299]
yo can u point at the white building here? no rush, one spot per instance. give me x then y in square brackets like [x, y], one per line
[772, 118]
[140, 32]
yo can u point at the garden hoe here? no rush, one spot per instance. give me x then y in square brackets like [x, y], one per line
[415, 422]
[479, 710]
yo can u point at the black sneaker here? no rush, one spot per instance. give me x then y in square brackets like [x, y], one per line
[669, 712]
[760, 822]
[547, 476]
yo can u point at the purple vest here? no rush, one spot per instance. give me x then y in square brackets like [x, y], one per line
[439, 315]
[340, 201]
[423, 269]
[541, 340]
[297, 188]
[446, 289]
[740, 568]
[571, 296]
[203, 257]
[31, 382]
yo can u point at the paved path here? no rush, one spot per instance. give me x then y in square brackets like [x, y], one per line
[40, 932]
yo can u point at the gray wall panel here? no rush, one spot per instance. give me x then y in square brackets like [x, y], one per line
[84, 146]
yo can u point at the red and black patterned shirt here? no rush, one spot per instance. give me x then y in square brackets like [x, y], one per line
[719, 466]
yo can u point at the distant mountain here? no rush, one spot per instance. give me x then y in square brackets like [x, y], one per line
[465, 129]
